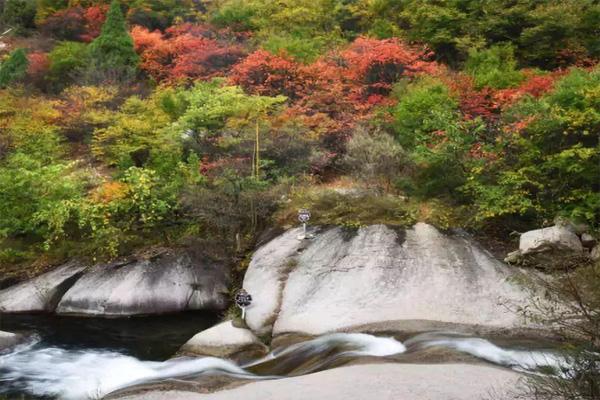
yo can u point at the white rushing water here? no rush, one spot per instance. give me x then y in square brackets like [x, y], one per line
[91, 374]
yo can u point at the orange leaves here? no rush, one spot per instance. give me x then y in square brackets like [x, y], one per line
[534, 85]
[269, 75]
[38, 65]
[377, 64]
[184, 53]
[110, 191]
[339, 89]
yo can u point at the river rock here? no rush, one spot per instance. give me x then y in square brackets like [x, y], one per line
[376, 381]
[588, 240]
[9, 339]
[547, 239]
[40, 294]
[173, 281]
[266, 277]
[340, 279]
[223, 340]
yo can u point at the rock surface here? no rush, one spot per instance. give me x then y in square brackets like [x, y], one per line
[379, 381]
[8, 339]
[342, 279]
[588, 240]
[222, 340]
[552, 238]
[173, 281]
[266, 276]
[40, 294]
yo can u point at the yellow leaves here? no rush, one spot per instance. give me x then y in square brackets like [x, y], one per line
[110, 191]
[90, 96]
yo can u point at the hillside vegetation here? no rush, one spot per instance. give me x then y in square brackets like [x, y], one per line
[146, 122]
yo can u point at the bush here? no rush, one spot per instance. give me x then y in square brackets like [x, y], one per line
[67, 59]
[19, 15]
[494, 67]
[430, 128]
[550, 163]
[375, 159]
[113, 50]
[13, 68]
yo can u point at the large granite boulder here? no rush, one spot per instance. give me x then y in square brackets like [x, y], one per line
[40, 294]
[342, 279]
[223, 340]
[175, 280]
[370, 381]
[556, 237]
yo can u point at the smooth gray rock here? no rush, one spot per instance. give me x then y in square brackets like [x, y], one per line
[588, 241]
[266, 276]
[343, 279]
[371, 381]
[546, 239]
[40, 294]
[173, 281]
[222, 340]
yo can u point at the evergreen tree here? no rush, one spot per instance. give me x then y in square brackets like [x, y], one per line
[113, 49]
[14, 68]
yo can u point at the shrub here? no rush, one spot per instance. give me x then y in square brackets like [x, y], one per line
[13, 68]
[375, 159]
[113, 50]
[18, 14]
[494, 67]
[550, 160]
[67, 59]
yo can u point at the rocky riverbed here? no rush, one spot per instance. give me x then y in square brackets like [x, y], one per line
[439, 308]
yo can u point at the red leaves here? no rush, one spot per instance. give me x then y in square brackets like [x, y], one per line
[184, 53]
[94, 18]
[38, 65]
[76, 23]
[378, 64]
[336, 91]
[269, 75]
[473, 103]
[534, 85]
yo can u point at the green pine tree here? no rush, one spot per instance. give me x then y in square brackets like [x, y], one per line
[113, 49]
[14, 68]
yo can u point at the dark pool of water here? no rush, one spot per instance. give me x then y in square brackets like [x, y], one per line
[154, 338]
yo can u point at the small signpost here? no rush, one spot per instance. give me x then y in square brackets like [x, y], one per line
[303, 217]
[243, 299]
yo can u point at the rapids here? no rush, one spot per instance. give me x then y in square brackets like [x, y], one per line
[43, 371]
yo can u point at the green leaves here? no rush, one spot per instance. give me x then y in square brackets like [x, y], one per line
[13, 68]
[494, 67]
[113, 49]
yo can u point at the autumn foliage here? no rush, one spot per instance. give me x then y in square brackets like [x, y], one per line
[76, 23]
[184, 53]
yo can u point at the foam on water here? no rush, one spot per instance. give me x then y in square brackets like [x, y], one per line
[521, 360]
[351, 345]
[92, 374]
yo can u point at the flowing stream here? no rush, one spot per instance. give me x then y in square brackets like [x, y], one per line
[77, 359]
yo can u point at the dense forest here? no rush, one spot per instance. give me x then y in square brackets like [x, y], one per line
[136, 123]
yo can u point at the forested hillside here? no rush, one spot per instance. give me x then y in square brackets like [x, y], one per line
[136, 123]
